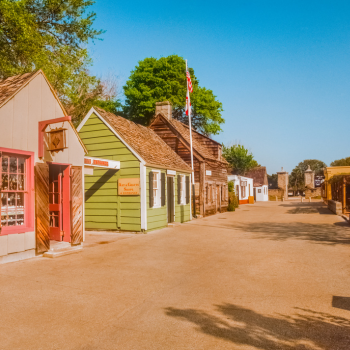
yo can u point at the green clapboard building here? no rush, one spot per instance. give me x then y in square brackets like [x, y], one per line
[152, 186]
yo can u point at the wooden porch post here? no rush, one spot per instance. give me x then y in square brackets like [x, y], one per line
[202, 188]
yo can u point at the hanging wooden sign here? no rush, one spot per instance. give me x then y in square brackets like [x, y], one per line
[57, 139]
[129, 187]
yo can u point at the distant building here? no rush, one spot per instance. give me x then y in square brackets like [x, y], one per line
[260, 183]
[243, 187]
[210, 168]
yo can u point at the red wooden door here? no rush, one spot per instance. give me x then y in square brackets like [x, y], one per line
[55, 206]
[59, 203]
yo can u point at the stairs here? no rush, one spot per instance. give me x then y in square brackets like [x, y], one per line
[58, 249]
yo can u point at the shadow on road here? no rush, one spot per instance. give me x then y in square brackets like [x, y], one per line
[341, 303]
[307, 208]
[336, 233]
[306, 329]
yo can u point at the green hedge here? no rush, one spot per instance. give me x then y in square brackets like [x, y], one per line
[233, 201]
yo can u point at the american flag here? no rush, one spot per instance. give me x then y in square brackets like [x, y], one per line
[188, 103]
[189, 81]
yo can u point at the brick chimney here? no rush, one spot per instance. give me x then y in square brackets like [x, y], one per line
[164, 108]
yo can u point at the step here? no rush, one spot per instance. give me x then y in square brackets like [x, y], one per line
[55, 253]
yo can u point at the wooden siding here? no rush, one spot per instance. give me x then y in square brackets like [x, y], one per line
[104, 209]
[182, 211]
[77, 198]
[218, 169]
[156, 217]
[42, 215]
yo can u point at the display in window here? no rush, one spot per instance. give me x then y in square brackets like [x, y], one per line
[13, 190]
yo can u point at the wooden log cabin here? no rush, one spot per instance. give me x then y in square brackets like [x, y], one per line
[210, 168]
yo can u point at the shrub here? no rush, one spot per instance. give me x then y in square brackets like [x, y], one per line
[233, 202]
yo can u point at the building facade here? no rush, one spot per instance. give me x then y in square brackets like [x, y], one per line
[150, 187]
[243, 187]
[260, 183]
[210, 168]
[41, 174]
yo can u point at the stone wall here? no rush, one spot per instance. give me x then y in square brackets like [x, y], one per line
[335, 207]
[275, 192]
[313, 192]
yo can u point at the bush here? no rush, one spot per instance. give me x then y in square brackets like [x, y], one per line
[233, 201]
[230, 186]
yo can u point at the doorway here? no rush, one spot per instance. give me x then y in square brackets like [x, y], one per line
[218, 198]
[170, 199]
[59, 202]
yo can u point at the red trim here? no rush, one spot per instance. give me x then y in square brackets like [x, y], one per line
[29, 201]
[42, 126]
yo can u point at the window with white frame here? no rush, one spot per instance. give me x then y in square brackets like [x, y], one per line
[156, 189]
[182, 189]
[243, 192]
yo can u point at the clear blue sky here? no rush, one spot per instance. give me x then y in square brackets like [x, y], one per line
[280, 68]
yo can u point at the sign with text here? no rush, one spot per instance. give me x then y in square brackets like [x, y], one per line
[129, 187]
[101, 163]
[208, 172]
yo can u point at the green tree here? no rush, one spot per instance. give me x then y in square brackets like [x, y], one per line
[341, 162]
[155, 80]
[297, 176]
[272, 181]
[51, 35]
[239, 158]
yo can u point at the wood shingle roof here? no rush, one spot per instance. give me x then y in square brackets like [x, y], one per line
[184, 131]
[9, 86]
[151, 148]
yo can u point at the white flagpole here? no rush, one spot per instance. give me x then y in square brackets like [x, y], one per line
[190, 126]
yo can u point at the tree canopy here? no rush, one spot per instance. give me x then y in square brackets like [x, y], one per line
[239, 158]
[341, 162]
[297, 176]
[164, 79]
[51, 35]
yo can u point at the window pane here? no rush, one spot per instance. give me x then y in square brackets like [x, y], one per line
[3, 201]
[5, 182]
[21, 182]
[13, 165]
[5, 164]
[11, 200]
[21, 165]
[3, 220]
[20, 201]
[11, 220]
[13, 182]
[20, 219]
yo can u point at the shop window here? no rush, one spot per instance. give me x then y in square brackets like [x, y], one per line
[259, 190]
[16, 174]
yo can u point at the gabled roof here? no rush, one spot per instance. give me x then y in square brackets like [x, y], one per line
[259, 176]
[184, 131]
[144, 141]
[9, 87]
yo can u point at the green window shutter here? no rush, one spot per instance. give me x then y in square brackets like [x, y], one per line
[151, 199]
[163, 189]
[178, 189]
[187, 189]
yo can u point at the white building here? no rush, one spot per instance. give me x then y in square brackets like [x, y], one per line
[243, 186]
[260, 183]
